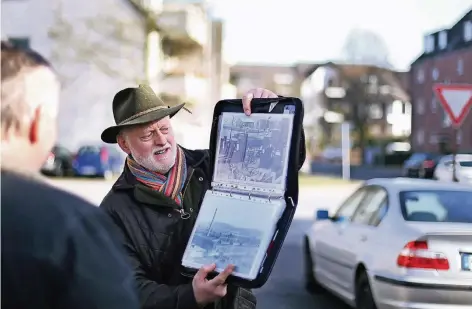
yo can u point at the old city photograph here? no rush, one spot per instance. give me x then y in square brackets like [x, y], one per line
[253, 150]
[232, 231]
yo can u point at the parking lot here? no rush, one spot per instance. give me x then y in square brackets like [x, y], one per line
[284, 290]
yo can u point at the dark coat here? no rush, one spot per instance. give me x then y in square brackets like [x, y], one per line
[155, 236]
[58, 252]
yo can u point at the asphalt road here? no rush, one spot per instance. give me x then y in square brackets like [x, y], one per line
[284, 289]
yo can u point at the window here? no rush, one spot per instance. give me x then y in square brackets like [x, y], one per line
[459, 136]
[446, 121]
[420, 137]
[442, 39]
[348, 208]
[420, 76]
[375, 111]
[373, 79]
[429, 43]
[374, 201]
[283, 79]
[434, 104]
[435, 74]
[468, 31]
[436, 206]
[20, 42]
[420, 106]
[460, 67]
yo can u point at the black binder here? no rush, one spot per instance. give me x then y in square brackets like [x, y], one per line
[288, 197]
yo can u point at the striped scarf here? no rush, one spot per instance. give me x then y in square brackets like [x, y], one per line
[171, 184]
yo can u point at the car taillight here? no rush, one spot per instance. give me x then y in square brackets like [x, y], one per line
[428, 164]
[416, 254]
[104, 155]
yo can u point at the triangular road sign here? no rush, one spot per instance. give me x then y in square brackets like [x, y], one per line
[456, 100]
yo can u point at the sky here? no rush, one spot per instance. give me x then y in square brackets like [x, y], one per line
[290, 31]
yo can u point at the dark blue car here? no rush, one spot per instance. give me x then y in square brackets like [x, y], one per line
[98, 161]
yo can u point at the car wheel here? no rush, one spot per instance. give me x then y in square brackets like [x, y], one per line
[364, 297]
[311, 284]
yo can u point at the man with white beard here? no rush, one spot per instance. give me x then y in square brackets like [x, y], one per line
[156, 200]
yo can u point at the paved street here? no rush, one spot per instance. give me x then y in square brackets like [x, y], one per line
[284, 290]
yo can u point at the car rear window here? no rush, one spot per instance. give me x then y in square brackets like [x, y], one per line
[437, 206]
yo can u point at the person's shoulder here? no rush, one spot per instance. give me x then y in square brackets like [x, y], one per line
[200, 158]
[36, 194]
[115, 200]
[196, 154]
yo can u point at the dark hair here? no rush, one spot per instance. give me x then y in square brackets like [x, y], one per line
[16, 63]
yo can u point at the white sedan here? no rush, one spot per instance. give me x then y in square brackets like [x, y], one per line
[444, 169]
[395, 243]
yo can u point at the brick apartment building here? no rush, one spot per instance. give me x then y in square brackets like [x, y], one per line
[447, 58]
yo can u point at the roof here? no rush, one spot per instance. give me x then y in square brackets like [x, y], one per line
[248, 69]
[454, 37]
[402, 184]
[385, 76]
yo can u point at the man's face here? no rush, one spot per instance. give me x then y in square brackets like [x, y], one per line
[152, 146]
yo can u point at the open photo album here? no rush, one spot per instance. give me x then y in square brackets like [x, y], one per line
[238, 218]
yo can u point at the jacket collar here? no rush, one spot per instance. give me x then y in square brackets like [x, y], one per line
[194, 158]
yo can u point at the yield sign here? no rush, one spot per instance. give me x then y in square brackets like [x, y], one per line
[456, 100]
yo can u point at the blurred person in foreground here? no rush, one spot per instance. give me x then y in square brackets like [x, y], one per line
[56, 248]
[156, 200]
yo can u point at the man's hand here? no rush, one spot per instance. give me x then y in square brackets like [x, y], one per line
[207, 291]
[255, 93]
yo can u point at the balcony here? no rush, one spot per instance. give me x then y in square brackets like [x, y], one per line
[184, 29]
[184, 87]
[191, 63]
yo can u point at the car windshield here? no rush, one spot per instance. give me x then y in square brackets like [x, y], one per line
[465, 163]
[437, 206]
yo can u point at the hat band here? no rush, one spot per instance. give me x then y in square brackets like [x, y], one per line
[143, 113]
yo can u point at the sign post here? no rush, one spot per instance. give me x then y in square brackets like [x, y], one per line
[346, 150]
[456, 99]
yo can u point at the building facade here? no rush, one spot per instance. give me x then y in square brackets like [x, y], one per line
[284, 80]
[334, 93]
[447, 58]
[98, 54]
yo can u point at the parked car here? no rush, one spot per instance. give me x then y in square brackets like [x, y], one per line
[444, 169]
[58, 163]
[98, 161]
[421, 165]
[395, 243]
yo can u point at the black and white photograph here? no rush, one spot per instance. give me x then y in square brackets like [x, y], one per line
[253, 150]
[232, 231]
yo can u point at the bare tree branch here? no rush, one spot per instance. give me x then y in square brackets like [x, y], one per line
[366, 47]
